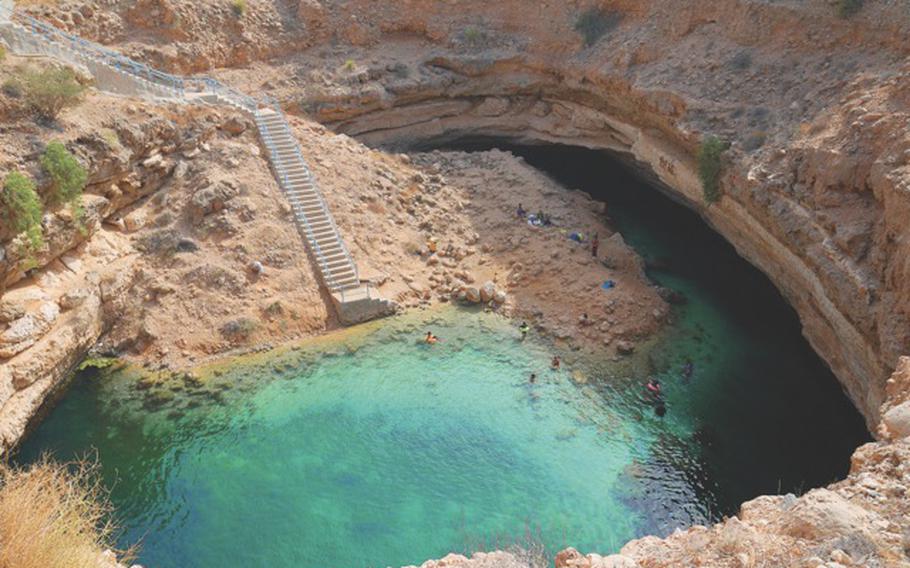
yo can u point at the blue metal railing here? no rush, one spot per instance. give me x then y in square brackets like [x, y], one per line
[87, 50]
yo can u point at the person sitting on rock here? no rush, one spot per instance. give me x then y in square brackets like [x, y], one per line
[431, 246]
[521, 213]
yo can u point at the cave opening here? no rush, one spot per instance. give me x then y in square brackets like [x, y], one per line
[772, 418]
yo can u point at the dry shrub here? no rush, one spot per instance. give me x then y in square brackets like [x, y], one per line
[54, 514]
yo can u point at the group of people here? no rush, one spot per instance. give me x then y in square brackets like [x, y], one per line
[655, 393]
[539, 219]
[653, 389]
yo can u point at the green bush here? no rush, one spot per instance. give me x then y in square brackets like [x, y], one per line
[239, 7]
[473, 35]
[22, 208]
[595, 23]
[67, 175]
[710, 167]
[846, 8]
[68, 179]
[48, 91]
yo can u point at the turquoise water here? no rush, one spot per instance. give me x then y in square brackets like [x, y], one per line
[384, 453]
[370, 449]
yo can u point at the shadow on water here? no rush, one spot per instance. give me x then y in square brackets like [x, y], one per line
[765, 413]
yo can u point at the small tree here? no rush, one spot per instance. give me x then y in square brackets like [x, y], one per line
[239, 7]
[22, 208]
[68, 179]
[710, 167]
[50, 90]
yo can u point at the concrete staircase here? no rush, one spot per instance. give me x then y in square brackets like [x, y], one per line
[310, 211]
[354, 300]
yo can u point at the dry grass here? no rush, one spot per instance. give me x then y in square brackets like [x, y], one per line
[55, 515]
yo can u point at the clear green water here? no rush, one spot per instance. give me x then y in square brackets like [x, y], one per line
[370, 449]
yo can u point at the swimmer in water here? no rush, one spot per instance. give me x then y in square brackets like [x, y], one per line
[524, 328]
[653, 387]
[688, 369]
[555, 363]
[660, 410]
[533, 378]
[430, 338]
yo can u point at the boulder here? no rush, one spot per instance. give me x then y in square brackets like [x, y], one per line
[571, 558]
[472, 295]
[73, 298]
[625, 347]
[11, 309]
[487, 291]
[500, 297]
[25, 331]
[822, 514]
[897, 421]
[234, 126]
[135, 220]
[211, 199]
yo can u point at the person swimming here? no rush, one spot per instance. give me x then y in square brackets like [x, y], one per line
[555, 363]
[533, 378]
[653, 387]
[660, 410]
[688, 369]
[431, 339]
[524, 328]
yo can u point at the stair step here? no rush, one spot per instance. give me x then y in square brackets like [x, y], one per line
[346, 276]
[309, 206]
[307, 198]
[338, 256]
[306, 194]
[346, 284]
[329, 248]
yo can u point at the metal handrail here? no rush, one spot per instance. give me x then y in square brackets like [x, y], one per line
[287, 128]
[310, 235]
